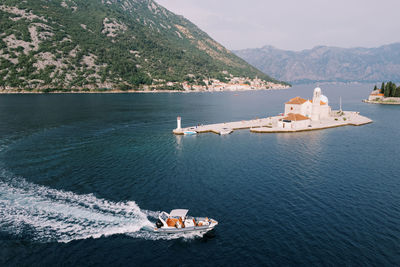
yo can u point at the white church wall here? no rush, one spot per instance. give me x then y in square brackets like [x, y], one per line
[306, 109]
[292, 108]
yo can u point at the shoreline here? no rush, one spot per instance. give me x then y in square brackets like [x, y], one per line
[381, 102]
[13, 92]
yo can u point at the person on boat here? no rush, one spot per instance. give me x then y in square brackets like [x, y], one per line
[182, 222]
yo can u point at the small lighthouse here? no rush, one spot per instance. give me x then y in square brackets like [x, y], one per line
[178, 123]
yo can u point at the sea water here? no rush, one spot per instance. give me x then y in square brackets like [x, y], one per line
[83, 178]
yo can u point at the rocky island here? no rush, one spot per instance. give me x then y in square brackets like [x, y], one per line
[388, 94]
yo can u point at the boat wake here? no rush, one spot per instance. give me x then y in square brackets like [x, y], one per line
[42, 214]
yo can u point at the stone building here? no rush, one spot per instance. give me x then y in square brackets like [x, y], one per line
[376, 96]
[300, 112]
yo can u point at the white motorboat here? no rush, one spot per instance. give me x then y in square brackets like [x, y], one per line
[189, 132]
[177, 222]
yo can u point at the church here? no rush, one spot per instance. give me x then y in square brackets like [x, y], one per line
[300, 113]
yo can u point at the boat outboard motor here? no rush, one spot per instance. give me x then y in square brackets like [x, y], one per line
[159, 223]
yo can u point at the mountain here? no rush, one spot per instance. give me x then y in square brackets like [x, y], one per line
[106, 44]
[327, 64]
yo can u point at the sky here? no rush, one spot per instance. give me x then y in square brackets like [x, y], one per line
[293, 24]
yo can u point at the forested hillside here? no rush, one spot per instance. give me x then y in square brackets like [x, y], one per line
[106, 44]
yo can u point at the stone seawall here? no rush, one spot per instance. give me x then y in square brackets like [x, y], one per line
[385, 101]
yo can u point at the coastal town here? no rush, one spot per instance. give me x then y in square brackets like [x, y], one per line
[161, 86]
[231, 83]
[235, 84]
[299, 115]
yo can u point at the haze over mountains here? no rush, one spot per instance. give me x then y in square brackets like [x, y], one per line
[327, 64]
[104, 44]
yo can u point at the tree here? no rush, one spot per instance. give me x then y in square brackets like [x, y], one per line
[375, 88]
[382, 88]
[390, 89]
[393, 91]
[387, 89]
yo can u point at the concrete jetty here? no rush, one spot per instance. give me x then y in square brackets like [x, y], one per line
[272, 125]
[220, 128]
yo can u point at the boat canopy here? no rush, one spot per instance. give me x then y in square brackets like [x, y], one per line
[178, 213]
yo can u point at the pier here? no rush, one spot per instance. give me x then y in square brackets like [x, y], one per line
[221, 128]
[278, 125]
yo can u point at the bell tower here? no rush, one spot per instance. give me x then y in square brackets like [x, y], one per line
[316, 104]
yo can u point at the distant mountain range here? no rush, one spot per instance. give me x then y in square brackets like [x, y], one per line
[327, 64]
[106, 44]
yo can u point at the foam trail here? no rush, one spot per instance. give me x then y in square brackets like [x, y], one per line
[53, 215]
[47, 215]
[159, 236]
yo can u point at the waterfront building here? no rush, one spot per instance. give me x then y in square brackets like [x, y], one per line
[298, 105]
[300, 112]
[294, 121]
[375, 96]
[320, 108]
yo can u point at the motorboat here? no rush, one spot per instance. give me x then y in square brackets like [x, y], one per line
[189, 132]
[177, 221]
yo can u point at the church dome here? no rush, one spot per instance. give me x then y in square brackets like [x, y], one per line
[317, 90]
[325, 99]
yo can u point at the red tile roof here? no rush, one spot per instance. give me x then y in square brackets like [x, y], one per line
[376, 92]
[295, 117]
[297, 101]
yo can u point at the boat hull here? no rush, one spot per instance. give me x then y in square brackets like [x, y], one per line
[185, 230]
[189, 132]
[177, 222]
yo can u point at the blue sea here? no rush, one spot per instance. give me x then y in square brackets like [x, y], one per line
[83, 178]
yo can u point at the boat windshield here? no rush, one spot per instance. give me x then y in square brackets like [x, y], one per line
[164, 216]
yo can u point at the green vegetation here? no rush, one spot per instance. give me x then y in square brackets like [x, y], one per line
[91, 45]
[389, 89]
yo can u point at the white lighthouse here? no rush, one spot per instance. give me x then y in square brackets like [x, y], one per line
[178, 123]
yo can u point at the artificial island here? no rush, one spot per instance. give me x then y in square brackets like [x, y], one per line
[388, 94]
[299, 115]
